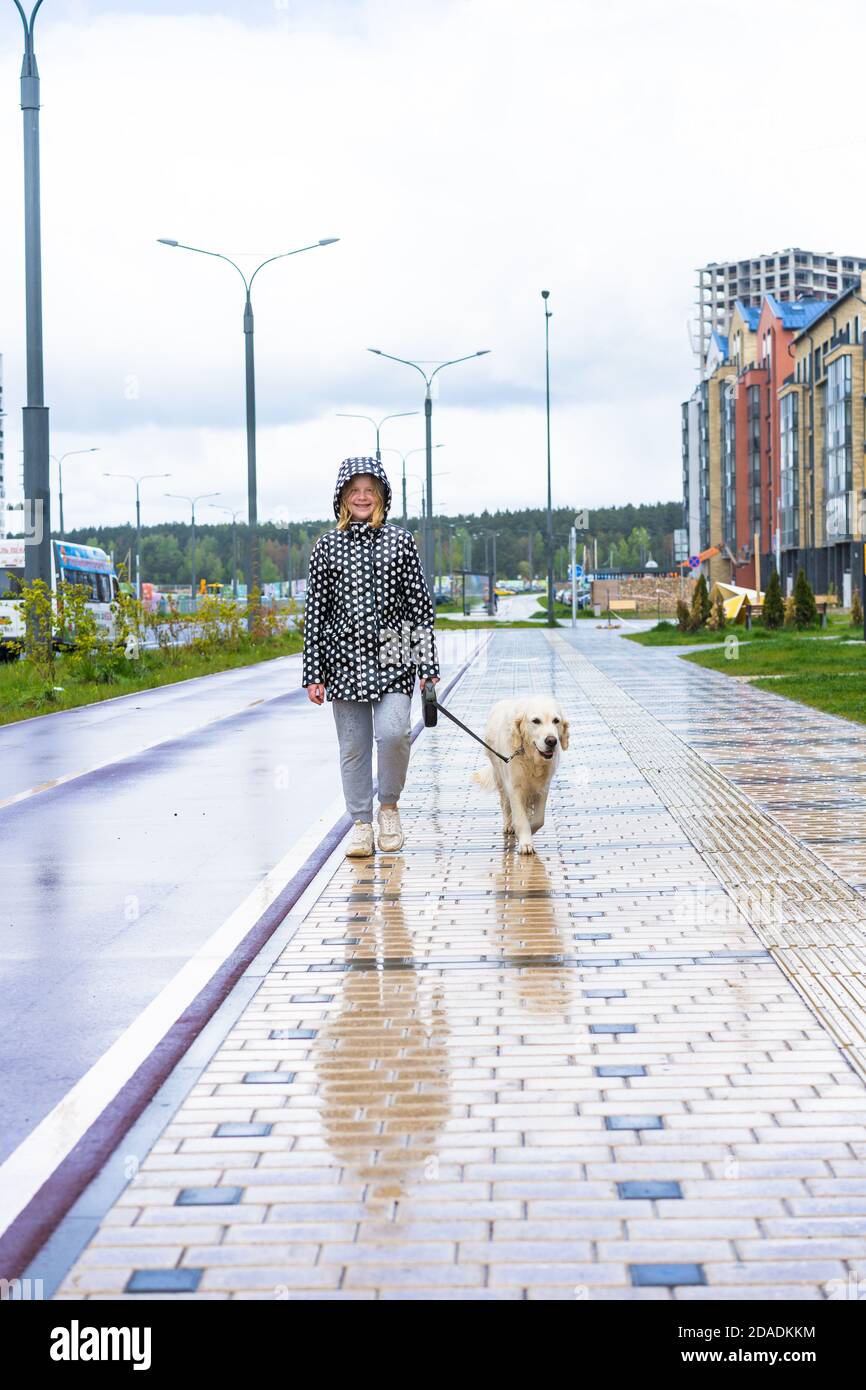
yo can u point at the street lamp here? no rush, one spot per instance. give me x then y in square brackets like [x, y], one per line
[487, 531]
[403, 414]
[234, 516]
[428, 412]
[404, 457]
[59, 462]
[252, 559]
[138, 481]
[548, 315]
[37, 488]
[192, 501]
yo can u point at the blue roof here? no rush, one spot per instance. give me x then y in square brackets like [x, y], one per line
[749, 313]
[722, 342]
[799, 313]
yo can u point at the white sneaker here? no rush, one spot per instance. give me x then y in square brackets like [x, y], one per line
[361, 843]
[390, 829]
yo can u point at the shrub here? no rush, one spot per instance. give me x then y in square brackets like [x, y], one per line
[806, 611]
[774, 612]
[684, 617]
[856, 609]
[789, 611]
[701, 606]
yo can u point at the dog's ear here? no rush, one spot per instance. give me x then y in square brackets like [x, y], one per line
[563, 734]
[518, 733]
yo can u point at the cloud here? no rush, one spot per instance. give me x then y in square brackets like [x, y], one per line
[468, 154]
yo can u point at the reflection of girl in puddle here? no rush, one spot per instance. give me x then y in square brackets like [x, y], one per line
[382, 1056]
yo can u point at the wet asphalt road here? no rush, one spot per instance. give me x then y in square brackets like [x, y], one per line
[189, 795]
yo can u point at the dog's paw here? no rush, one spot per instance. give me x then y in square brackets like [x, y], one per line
[525, 847]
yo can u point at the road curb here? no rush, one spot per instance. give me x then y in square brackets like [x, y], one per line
[25, 1236]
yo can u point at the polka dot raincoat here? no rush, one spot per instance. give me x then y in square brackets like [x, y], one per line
[368, 618]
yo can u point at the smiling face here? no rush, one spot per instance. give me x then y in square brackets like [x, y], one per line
[544, 727]
[361, 495]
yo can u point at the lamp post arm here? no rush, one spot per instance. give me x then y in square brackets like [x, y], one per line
[404, 360]
[28, 37]
[281, 255]
[218, 255]
[454, 362]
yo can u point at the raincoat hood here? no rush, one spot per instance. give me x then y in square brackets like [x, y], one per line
[349, 468]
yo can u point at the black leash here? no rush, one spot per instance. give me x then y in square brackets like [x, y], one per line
[431, 709]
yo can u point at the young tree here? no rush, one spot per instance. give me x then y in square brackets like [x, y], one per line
[774, 612]
[856, 609]
[806, 611]
[701, 606]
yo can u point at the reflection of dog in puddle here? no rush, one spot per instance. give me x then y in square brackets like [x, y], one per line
[382, 1056]
[530, 729]
[533, 931]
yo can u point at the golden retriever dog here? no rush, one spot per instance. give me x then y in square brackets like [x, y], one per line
[530, 730]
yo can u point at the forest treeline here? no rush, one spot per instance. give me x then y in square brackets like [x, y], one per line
[623, 537]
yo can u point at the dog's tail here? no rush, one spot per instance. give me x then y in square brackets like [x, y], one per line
[484, 778]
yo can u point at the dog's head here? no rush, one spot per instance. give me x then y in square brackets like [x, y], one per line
[540, 727]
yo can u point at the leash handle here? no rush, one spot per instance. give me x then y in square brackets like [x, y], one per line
[431, 708]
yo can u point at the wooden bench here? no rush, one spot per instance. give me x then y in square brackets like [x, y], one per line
[622, 605]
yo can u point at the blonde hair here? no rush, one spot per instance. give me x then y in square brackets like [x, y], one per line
[377, 515]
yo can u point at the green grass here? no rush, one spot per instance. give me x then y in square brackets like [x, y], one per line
[818, 667]
[827, 674]
[808, 654]
[23, 694]
[835, 693]
[667, 634]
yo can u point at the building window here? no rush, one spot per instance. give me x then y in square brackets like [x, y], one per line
[753, 455]
[727, 417]
[685, 454]
[837, 449]
[790, 469]
[704, 464]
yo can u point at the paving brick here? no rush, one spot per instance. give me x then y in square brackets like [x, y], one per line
[469, 1123]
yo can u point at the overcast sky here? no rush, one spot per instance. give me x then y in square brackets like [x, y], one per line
[468, 153]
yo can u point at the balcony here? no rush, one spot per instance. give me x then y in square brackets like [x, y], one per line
[839, 512]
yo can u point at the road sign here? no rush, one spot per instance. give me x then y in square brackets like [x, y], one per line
[694, 561]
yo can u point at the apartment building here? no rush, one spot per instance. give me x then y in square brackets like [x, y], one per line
[822, 443]
[787, 275]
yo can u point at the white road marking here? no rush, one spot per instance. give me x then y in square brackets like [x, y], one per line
[37, 1156]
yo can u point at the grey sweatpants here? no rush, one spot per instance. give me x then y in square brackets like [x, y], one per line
[356, 721]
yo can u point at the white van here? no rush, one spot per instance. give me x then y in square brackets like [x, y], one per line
[77, 564]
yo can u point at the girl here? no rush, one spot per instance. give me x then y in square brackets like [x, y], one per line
[368, 622]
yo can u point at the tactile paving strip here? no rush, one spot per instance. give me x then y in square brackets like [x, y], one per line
[810, 919]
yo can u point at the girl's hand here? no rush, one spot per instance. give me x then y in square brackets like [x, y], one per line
[316, 693]
[434, 680]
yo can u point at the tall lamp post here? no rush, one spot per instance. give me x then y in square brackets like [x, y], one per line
[487, 531]
[138, 482]
[548, 315]
[37, 488]
[59, 462]
[234, 516]
[402, 415]
[404, 457]
[428, 413]
[252, 560]
[192, 501]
